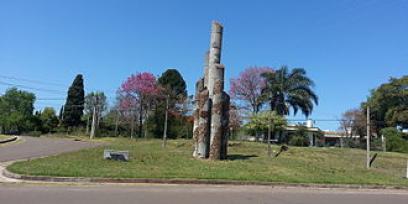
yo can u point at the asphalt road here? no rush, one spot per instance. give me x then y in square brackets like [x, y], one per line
[62, 193]
[182, 194]
[31, 147]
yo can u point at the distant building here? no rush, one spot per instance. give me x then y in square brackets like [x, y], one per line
[312, 132]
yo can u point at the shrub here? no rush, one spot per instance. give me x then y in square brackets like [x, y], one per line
[299, 141]
[394, 140]
[33, 133]
[351, 143]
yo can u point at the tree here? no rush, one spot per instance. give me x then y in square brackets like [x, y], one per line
[173, 83]
[267, 121]
[74, 106]
[173, 86]
[16, 110]
[235, 120]
[395, 140]
[287, 90]
[48, 119]
[353, 122]
[248, 87]
[95, 101]
[60, 114]
[300, 137]
[389, 103]
[262, 120]
[138, 92]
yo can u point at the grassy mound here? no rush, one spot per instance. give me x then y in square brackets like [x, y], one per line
[247, 162]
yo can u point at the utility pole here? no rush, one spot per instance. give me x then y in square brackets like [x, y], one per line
[384, 143]
[87, 124]
[269, 134]
[165, 122]
[117, 123]
[368, 137]
[92, 135]
[132, 125]
[407, 171]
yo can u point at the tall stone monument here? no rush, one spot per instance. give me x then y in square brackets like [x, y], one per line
[211, 104]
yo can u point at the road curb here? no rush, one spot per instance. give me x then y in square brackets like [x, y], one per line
[14, 138]
[12, 175]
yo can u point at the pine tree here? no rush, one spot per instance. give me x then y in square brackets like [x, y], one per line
[174, 83]
[74, 106]
[173, 86]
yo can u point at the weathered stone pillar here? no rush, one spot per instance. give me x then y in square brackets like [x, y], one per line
[214, 55]
[198, 88]
[216, 132]
[225, 125]
[206, 68]
[203, 124]
[211, 117]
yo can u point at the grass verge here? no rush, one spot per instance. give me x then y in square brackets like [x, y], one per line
[247, 162]
[3, 137]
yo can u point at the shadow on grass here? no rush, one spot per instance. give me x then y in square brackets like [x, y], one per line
[233, 157]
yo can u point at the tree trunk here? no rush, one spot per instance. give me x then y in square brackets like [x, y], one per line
[116, 123]
[141, 117]
[165, 122]
[132, 124]
[269, 139]
[87, 125]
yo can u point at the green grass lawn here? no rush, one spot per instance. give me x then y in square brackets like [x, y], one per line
[3, 137]
[247, 162]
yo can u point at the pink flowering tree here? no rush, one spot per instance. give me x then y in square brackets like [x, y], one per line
[247, 88]
[137, 93]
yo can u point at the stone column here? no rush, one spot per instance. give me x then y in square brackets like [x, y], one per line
[225, 125]
[206, 68]
[214, 55]
[199, 87]
[211, 117]
[203, 124]
[216, 132]
[219, 122]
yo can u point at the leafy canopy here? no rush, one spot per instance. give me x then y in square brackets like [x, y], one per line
[389, 103]
[247, 88]
[290, 89]
[16, 109]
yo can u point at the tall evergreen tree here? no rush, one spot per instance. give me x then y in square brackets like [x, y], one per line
[172, 85]
[61, 111]
[74, 106]
[173, 82]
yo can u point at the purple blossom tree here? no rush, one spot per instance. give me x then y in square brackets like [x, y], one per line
[247, 88]
[137, 93]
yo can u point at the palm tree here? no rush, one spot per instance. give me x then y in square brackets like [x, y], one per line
[287, 90]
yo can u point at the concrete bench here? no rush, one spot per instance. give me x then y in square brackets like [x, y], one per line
[116, 155]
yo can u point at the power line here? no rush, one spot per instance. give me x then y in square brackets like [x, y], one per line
[32, 81]
[32, 88]
[50, 99]
[53, 91]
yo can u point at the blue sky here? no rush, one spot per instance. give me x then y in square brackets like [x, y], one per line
[347, 46]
